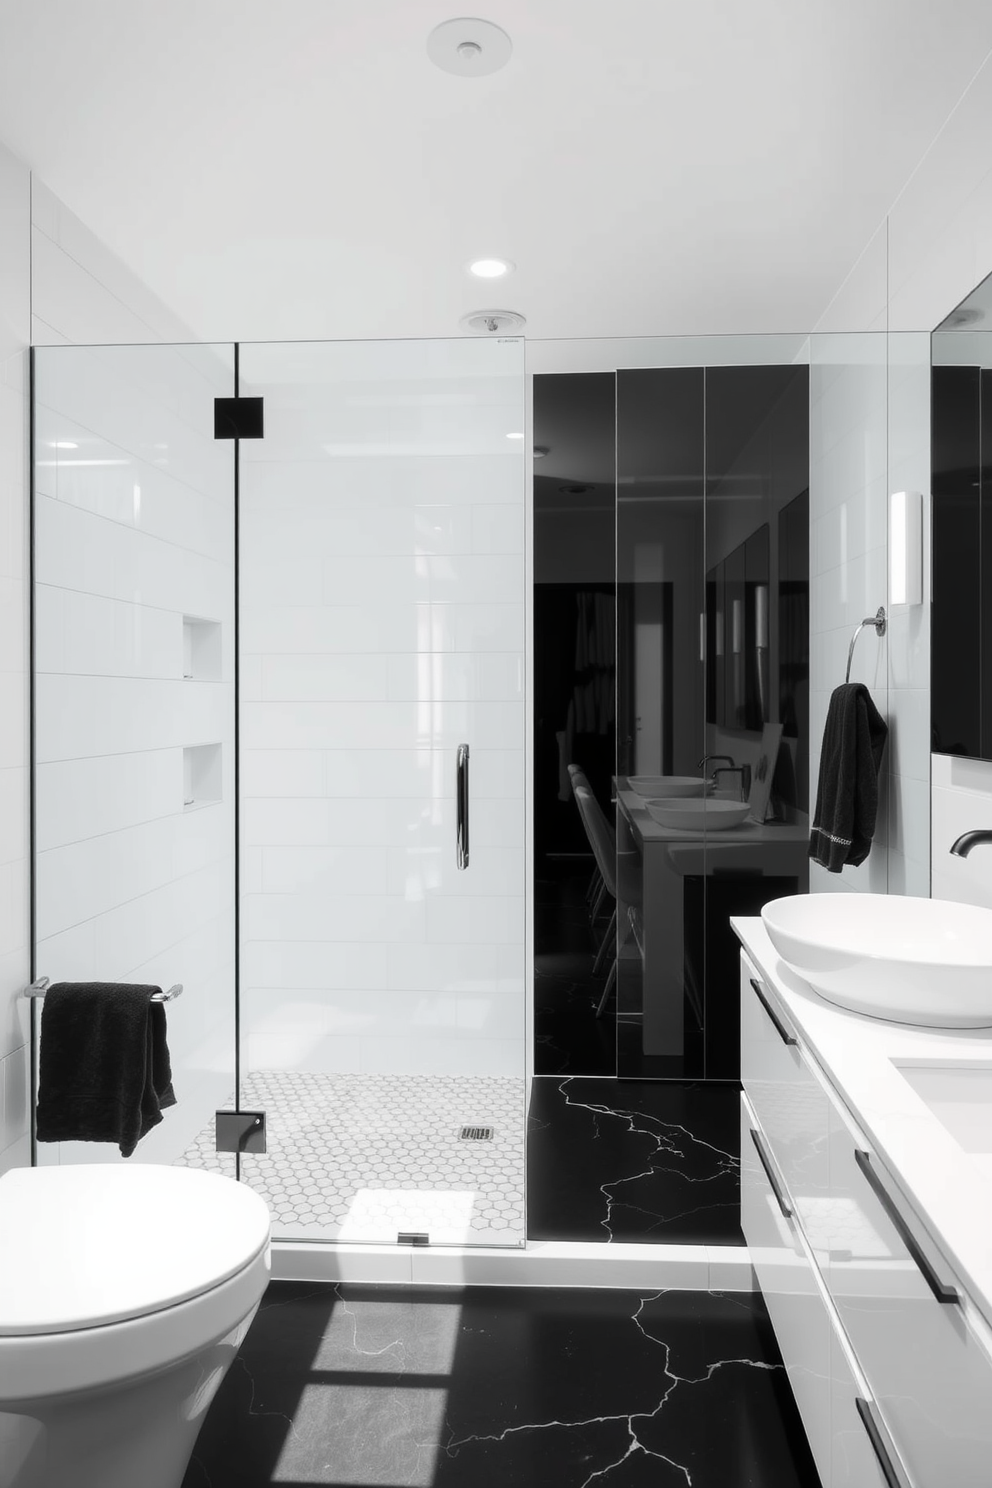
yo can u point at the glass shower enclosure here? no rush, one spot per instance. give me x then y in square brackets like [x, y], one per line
[279, 759]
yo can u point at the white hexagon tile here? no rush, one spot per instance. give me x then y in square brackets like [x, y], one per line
[363, 1158]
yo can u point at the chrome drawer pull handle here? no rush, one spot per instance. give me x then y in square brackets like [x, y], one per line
[941, 1289]
[769, 1174]
[783, 1032]
[893, 1478]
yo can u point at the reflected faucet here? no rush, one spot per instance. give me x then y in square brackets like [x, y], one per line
[701, 764]
[745, 773]
[962, 847]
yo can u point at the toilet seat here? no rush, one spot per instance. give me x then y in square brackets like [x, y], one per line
[82, 1307]
[87, 1245]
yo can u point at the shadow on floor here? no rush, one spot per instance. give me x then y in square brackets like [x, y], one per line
[512, 1387]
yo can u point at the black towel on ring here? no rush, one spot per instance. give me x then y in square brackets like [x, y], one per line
[104, 1072]
[847, 790]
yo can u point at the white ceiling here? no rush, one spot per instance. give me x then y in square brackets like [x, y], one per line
[299, 168]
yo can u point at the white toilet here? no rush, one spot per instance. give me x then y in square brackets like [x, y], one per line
[125, 1293]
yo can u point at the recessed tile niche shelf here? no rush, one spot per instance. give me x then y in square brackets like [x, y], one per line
[201, 649]
[201, 776]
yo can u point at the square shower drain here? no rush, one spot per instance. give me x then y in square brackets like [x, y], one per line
[476, 1134]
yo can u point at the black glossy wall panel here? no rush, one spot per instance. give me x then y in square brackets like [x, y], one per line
[956, 622]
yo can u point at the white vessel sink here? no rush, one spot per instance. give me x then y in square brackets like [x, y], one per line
[698, 815]
[668, 786]
[922, 961]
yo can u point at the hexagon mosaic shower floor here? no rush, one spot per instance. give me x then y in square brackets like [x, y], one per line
[363, 1157]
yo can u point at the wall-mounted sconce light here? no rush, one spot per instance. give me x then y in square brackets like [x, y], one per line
[906, 548]
[736, 626]
[761, 617]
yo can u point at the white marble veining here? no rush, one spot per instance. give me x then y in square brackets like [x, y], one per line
[635, 1422]
[676, 1149]
[950, 1188]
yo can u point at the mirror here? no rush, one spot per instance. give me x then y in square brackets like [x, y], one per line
[737, 625]
[961, 445]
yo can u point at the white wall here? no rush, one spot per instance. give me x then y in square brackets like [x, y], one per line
[14, 865]
[79, 292]
[932, 249]
[83, 294]
[382, 563]
[848, 572]
[908, 641]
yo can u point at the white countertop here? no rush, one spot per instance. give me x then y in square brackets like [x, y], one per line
[950, 1189]
[747, 833]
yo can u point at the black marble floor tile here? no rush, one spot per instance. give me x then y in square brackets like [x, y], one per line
[510, 1387]
[569, 1039]
[636, 1161]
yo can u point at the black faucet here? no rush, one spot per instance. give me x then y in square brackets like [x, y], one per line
[962, 847]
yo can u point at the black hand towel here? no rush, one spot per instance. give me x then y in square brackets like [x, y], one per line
[847, 791]
[104, 1073]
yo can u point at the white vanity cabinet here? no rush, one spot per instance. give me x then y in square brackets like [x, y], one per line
[786, 1276]
[903, 1310]
[894, 1385]
[825, 1388]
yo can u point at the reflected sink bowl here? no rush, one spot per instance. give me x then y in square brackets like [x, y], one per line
[667, 786]
[921, 961]
[698, 816]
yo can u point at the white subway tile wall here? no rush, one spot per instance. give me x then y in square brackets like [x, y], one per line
[53, 266]
[15, 311]
[382, 550]
[135, 725]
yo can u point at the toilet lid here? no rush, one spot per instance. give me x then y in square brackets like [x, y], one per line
[89, 1244]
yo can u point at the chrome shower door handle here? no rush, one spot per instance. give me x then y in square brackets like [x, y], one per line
[461, 788]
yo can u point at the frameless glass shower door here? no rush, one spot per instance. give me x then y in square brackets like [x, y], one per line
[134, 709]
[382, 788]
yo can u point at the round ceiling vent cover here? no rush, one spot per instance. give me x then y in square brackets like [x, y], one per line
[493, 322]
[469, 47]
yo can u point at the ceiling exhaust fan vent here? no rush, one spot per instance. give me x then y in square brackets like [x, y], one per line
[493, 322]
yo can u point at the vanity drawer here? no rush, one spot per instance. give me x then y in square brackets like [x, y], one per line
[787, 1097]
[788, 1285]
[929, 1373]
[854, 1461]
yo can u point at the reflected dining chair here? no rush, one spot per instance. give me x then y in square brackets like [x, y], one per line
[602, 840]
[596, 891]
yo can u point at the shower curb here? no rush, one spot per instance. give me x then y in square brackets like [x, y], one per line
[543, 1263]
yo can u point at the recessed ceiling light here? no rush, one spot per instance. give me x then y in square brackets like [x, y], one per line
[469, 47]
[514, 436]
[491, 268]
[540, 450]
[64, 444]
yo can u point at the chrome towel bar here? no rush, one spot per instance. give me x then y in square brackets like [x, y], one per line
[39, 987]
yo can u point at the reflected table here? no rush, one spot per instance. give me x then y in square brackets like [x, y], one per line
[653, 864]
